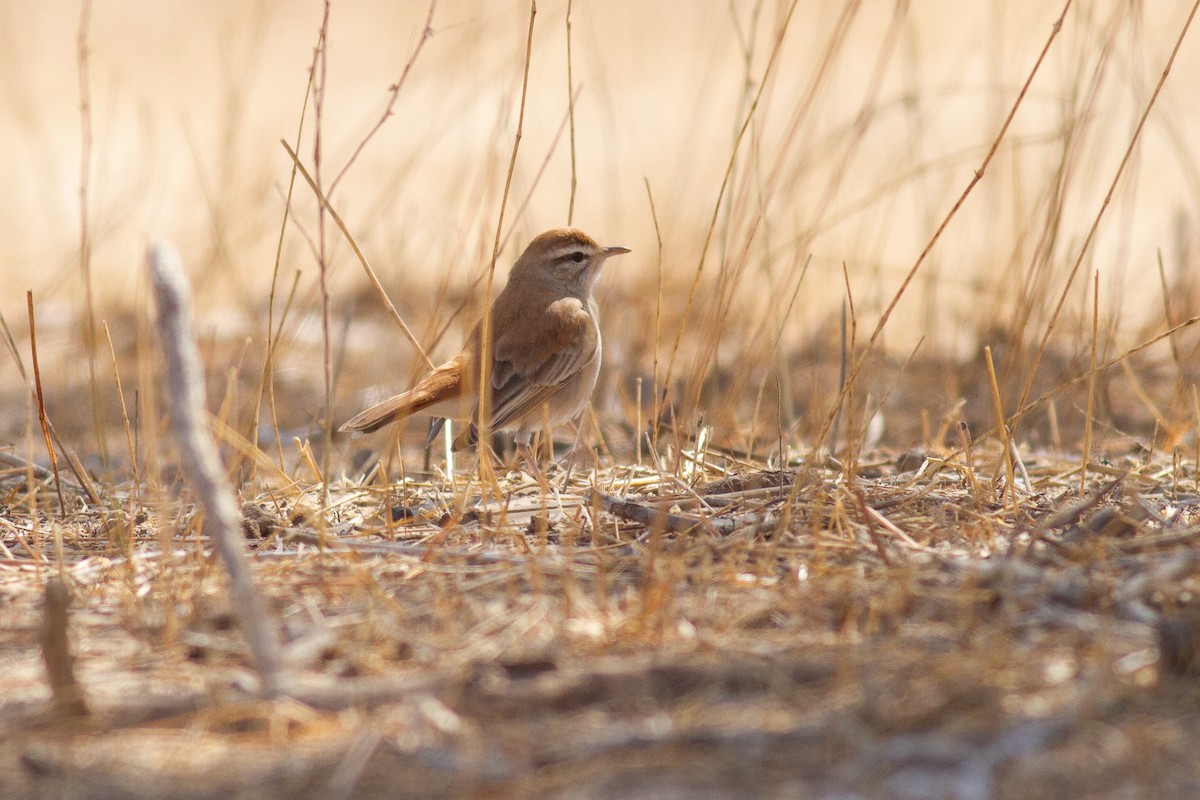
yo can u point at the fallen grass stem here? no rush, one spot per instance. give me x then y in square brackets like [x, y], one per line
[654, 518]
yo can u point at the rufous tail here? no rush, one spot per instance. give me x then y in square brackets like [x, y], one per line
[440, 386]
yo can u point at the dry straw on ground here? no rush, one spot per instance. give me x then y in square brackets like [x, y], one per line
[751, 631]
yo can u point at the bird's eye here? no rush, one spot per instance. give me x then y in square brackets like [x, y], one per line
[577, 256]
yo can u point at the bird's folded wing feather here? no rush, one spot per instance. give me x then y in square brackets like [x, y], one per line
[532, 362]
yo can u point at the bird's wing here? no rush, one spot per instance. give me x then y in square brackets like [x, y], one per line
[532, 361]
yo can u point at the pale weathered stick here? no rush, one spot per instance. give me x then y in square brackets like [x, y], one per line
[201, 464]
[66, 695]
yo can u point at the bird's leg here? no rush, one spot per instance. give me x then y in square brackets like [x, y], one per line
[570, 456]
[485, 462]
[526, 452]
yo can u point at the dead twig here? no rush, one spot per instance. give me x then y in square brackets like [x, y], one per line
[655, 518]
[1071, 513]
[202, 466]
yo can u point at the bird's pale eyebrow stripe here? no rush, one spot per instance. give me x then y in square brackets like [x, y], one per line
[569, 250]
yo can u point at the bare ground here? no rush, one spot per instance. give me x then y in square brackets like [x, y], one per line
[905, 629]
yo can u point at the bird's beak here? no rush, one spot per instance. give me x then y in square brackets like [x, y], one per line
[614, 251]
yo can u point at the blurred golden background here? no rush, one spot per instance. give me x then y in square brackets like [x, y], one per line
[872, 119]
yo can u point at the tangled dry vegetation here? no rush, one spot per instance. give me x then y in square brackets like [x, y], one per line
[913, 625]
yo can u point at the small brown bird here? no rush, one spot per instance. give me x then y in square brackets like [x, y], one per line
[545, 352]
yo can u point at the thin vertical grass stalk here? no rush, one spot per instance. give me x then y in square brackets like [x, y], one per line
[393, 94]
[362, 259]
[469, 296]
[571, 92]
[725, 182]
[868, 108]
[849, 346]
[655, 397]
[85, 234]
[860, 361]
[1179, 399]
[746, 42]
[133, 459]
[1002, 432]
[780, 362]
[836, 40]
[269, 365]
[637, 428]
[201, 463]
[41, 405]
[1106, 364]
[967, 448]
[1104, 204]
[83, 482]
[843, 365]
[1091, 388]
[1195, 439]
[537, 178]
[484, 423]
[323, 265]
[267, 381]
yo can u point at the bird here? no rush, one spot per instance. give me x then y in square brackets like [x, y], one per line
[545, 351]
